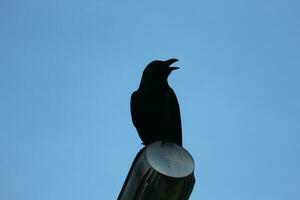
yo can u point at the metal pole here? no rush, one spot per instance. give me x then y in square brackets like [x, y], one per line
[161, 171]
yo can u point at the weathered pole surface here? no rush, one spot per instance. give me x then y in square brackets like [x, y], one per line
[161, 171]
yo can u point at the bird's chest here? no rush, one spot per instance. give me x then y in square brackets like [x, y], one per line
[156, 106]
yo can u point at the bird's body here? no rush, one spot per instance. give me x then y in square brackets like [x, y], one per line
[154, 106]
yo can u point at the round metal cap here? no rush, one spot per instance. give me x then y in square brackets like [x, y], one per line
[170, 159]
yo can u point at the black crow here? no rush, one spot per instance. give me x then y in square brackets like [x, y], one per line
[154, 107]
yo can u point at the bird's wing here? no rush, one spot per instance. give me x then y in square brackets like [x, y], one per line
[134, 107]
[175, 116]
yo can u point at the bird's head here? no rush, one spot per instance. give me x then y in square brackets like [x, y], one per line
[160, 70]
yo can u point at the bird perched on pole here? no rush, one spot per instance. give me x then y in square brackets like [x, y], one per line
[154, 107]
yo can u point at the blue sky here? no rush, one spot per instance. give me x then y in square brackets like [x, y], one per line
[68, 68]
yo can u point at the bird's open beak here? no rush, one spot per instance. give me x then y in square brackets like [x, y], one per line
[170, 62]
[173, 68]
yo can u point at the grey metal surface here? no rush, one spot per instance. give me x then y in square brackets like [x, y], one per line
[162, 171]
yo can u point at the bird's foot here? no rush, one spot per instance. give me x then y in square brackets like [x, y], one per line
[164, 141]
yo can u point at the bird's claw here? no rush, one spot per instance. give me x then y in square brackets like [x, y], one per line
[164, 141]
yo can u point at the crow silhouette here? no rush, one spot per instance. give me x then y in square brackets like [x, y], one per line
[154, 107]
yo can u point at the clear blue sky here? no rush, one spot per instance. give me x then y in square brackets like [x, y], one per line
[68, 68]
